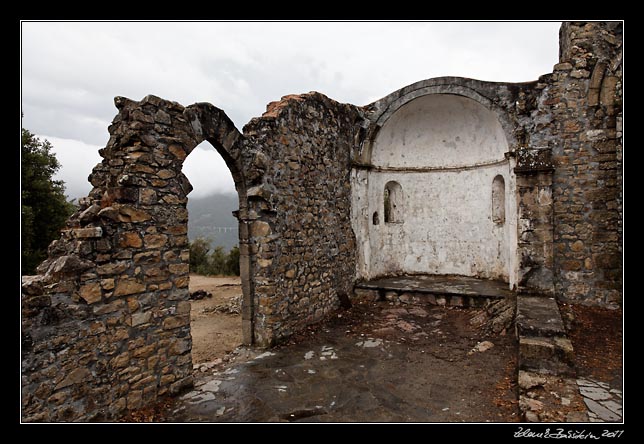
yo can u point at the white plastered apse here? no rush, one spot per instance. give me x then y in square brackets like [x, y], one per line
[445, 151]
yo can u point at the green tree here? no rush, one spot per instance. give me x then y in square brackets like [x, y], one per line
[199, 249]
[45, 208]
[215, 262]
[232, 262]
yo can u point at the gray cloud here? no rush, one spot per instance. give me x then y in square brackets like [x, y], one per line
[71, 71]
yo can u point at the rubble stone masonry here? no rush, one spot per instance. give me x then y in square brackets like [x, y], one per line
[587, 111]
[302, 240]
[106, 322]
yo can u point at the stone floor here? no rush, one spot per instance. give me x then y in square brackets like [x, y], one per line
[378, 362]
[409, 351]
[604, 404]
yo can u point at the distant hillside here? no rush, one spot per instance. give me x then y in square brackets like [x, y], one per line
[211, 217]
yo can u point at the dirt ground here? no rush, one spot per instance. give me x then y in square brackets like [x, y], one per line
[596, 336]
[214, 333]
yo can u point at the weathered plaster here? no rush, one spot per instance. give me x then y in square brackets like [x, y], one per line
[442, 149]
[439, 131]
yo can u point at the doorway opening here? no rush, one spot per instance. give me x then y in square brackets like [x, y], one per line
[213, 234]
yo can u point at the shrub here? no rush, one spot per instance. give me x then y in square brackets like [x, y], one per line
[215, 262]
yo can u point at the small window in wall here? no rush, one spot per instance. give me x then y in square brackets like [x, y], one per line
[498, 200]
[393, 203]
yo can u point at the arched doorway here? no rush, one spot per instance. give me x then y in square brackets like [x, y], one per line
[213, 234]
[211, 125]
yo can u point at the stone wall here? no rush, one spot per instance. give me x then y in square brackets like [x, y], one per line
[106, 323]
[304, 243]
[572, 117]
[587, 179]
[569, 169]
[535, 227]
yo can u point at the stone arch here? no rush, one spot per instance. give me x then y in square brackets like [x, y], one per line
[106, 322]
[211, 124]
[195, 124]
[214, 126]
[485, 93]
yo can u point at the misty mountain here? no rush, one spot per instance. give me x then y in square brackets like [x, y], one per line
[211, 217]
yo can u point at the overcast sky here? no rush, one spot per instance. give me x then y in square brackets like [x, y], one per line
[71, 71]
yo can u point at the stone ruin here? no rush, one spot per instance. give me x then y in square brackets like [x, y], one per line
[514, 182]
